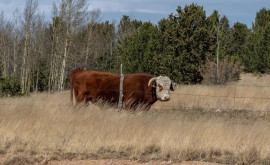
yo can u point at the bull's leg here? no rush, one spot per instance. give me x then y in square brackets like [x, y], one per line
[131, 104]
[147, 107]
[80, 97]
[76, 94]
[87, 100]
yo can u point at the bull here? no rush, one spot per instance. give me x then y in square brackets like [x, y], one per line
[139, 88]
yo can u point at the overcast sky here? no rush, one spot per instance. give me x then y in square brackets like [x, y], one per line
[243, 11]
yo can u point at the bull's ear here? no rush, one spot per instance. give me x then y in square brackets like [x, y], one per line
[154, 79]
[154, 84]
[173, 86]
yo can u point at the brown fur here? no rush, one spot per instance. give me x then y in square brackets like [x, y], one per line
[93, 85]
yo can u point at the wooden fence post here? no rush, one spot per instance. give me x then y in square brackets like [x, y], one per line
[120, 103]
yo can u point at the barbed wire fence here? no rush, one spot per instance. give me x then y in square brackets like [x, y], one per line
[237, 101]
[178, 97]
[231, 101]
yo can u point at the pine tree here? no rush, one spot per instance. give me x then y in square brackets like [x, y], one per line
[187, 43]
[258, 44]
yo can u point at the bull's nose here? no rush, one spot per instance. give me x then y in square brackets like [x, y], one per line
[167, 98]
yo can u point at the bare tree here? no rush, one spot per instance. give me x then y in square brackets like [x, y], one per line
[15, 43]
[3, 57]
[41, 54]
[68, 15]
[94, 18]
[38, 50]
[6, 37]
[28, 18]
[56, 33]
[9, 41]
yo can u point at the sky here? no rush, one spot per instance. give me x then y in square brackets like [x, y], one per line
[243, 11]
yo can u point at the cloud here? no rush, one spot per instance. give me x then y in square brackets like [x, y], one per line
[236, 10]
[142, 6]
[150, 11]
[9, 6]
[110, 6]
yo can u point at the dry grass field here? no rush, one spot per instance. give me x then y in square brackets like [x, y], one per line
[251, 93]
[43, 127]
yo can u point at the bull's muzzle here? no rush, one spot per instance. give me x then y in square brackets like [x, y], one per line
[165, 98]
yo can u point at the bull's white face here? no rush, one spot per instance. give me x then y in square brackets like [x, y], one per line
[163, 85]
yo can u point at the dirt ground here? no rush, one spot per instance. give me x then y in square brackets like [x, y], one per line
[125, 162]
[3, 161]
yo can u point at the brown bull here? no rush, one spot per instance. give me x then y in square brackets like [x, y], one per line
[138, 88]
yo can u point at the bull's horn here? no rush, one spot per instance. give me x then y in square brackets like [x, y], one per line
[152, 79]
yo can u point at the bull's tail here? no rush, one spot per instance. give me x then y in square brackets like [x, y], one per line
[71, 91]
[71, 79]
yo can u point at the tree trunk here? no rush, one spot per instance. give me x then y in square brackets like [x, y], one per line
[15, 56]
[89, 33]
[24, 71]
[4, 63]
[29, 12]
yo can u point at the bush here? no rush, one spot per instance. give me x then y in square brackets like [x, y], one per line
[10, 86]
[227, 71]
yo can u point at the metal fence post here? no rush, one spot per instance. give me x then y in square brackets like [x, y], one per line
[120, 103]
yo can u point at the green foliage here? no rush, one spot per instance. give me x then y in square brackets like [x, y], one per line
[177, 47]
[187, 43]
[238, 43]
[212, 27]
[180, 44]
[261, 20]
[10, 86]
[237, 47]
[138, 50]
[225, 36]
[264, 51]
[257, 58]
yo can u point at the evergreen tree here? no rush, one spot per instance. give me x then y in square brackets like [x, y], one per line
[213, 27]
[225, 35]
[126, 29]
[139, 49]
[264, 50]
[187, 43]
[238, 45]
[257, 59]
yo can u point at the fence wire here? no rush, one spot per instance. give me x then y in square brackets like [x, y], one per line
[179, 104]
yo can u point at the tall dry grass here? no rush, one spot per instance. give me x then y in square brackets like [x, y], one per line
[45, 126]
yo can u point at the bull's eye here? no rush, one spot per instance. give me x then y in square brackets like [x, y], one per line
[160, 87]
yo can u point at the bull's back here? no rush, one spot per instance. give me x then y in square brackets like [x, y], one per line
[138, 82]
[97, 85]
[74, 73]
[89, 76]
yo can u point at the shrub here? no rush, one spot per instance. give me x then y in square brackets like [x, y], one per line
[10, 86]
[227, 71]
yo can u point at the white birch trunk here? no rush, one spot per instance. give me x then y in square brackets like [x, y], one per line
[14, 72]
